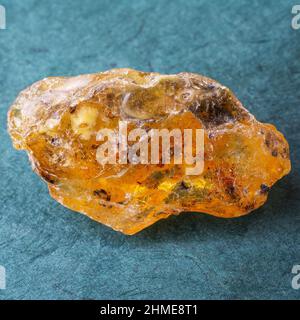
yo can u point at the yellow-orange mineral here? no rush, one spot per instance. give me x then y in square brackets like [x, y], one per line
[57, 119]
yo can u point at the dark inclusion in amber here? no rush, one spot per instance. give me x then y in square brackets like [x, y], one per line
[56, 121]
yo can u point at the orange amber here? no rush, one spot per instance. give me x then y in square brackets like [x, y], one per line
[56, 121]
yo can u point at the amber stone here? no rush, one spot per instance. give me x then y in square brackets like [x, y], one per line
[56, 121]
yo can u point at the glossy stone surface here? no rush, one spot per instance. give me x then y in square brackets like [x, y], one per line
[56, 120]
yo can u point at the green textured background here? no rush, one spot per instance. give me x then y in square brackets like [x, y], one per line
[51, 252]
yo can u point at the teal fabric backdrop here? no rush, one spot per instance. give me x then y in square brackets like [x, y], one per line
[50, 252]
